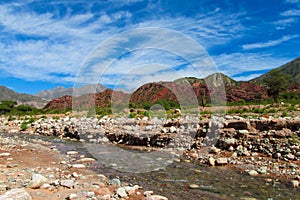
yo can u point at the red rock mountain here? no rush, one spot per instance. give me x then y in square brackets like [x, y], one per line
[179, 92]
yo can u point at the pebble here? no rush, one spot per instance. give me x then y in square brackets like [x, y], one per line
[290, 156]
[67, 183]
[243, 132]
[295, 183]
[194, 186]
[11, 165]
[262, 170]
[211, 161]
[155, 197]
[173, 129]
[78, 166]
[115, 181]
[121, 192]
[85, 160]
[148, 193]
[72, 196]
[268, 180]
[214, 150]
[5, 154]
[253, 173]
[37, 181]
[231, 148]
[222, 161]
[72, 153]
[75, 175]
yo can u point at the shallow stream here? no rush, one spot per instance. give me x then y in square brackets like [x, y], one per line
[158, 172]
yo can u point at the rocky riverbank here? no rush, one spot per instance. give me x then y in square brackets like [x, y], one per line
[36, 170]
[258, 146]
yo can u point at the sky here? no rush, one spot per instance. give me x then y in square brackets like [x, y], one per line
[125, 43]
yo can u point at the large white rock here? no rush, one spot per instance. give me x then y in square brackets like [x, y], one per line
[37, 181]
[16, 194]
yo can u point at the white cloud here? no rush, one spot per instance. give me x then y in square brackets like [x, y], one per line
[289, 13]
[285, 23]
[60, 44]
[269, 43]
[54, 47]
[247, 77]
[238, 63]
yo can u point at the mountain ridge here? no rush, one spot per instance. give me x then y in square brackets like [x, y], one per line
[61, 91]
[292, 69]
[162, 91]
[21, 98]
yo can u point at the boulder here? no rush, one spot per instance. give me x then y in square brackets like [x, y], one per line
[37, 181]
[15, 194]
[222, 161]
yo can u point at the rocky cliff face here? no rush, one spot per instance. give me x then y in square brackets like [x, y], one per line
[246, 91]
[61, 103]
[102, 99]
[179, 93]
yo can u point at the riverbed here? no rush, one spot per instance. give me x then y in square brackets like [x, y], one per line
[168, 174]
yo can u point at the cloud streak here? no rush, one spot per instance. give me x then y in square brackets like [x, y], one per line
[289, 13]
[270, 43]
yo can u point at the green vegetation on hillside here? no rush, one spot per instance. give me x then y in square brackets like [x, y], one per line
[292, 69]
[11, 108]
[275, 83]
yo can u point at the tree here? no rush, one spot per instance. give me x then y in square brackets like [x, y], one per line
[275, 82]
[6, 106]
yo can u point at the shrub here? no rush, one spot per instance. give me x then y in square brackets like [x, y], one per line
[284, 114]
[23, 126]
[132, 115]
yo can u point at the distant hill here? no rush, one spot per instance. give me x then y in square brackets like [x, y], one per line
[184, 91]
[101, 99]
[62, 91]
[292, 69]
[213, 79]
[26, 99]
[217, 78]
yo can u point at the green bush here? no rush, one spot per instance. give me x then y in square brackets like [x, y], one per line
[132, 115]
[23, 126]
[284, 114]
[258, 110]
[272, 110]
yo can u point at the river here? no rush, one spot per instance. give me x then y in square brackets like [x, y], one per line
[157, 171]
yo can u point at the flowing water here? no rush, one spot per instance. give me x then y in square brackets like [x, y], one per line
[156, 171]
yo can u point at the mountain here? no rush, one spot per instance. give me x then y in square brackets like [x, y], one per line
[62, 91]
[26, 99]
[247, 91]
[292, 69]
[184, 92]
[213, 79]
[102, 99]
[216, 78]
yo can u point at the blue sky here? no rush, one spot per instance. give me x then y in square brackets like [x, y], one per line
[46, 43]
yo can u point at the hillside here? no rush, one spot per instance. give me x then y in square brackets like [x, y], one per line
[62, 91]
[185, 92]
[211, 79]
[292, 69]
[26, 99]
[102, 99]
